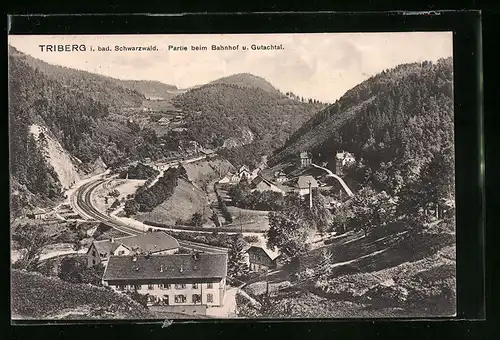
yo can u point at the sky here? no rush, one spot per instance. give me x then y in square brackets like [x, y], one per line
[322, 66]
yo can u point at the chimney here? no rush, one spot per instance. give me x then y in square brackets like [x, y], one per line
[112, 240]
[180, 269]
[161, 269]
[134, 258]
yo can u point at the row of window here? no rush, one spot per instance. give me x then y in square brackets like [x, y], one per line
[180, 298]
[164, 286]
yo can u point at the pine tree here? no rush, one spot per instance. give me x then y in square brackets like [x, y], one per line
[236, 266]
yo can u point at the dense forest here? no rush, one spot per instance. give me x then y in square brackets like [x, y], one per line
[218, 112]
[396, 120]
[147, 198]
[139, 171]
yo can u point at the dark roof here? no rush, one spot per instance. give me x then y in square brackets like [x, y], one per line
[106, 246]
[270, 253]
[206, 266]
[153, 242]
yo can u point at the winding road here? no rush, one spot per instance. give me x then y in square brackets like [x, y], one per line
[82, 204]
[341, 181]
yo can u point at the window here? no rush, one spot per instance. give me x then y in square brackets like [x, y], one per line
[121, 252]
[180, 298]
[93, 253]
[122, 287]
[196, 298]
[165, 286]
[180, 286]
[210, 285]
[210, 298]
[137, 287]
[195, 286]
[93, 262]
[150, 287]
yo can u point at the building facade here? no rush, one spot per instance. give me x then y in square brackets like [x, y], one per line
[304, 184]
[261, 258]
[262, 184]
[305, 159]
[170, 280]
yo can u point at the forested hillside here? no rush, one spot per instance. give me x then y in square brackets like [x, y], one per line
[107, 90]
[401, 116]
[76, 112]
[247, 80]
[232, 115]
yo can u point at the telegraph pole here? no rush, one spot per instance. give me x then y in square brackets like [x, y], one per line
[310, 197]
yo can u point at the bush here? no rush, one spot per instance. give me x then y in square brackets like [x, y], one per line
[251, 239]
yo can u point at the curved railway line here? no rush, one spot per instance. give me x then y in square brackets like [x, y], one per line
[81, 201]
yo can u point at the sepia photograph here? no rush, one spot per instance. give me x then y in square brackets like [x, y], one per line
[232, 176]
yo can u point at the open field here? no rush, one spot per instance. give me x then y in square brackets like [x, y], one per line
[124, 186]
[391, 272]
[248, 219]
[184, 202]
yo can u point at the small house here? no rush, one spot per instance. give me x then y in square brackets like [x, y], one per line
[304, 183]
[342, 160]
[164, 121]
[37, 214]
[261, 258]
[261, 184]
[305, 159]
[230, 178]
[280, 176]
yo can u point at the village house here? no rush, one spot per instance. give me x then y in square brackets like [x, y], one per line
[261, 184]
[37, 214]
[280, 176]
[155, 243]
[305, 159]
[244, 171]
[207, 152]
[230, 178]
[303, 183]
[343, 159]
[254, 173]
[164, 121]
[261, 258]
[170, 280]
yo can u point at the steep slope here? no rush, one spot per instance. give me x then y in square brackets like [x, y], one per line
[64, 164]
[75, 111]
[247, 80]
[35, 296]
[226, 114]
[399, 115]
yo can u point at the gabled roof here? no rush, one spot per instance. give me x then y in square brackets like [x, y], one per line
[305, 154]
[243, 168]
[153, 242]
[303, 182]
[38, 211]
[179, 266]
[106, 246]
[270, 253]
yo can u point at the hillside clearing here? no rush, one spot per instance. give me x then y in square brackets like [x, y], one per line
[184, 202]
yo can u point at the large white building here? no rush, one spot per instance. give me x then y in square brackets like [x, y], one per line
[170, 280]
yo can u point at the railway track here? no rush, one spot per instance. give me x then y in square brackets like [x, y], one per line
[82, 203]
